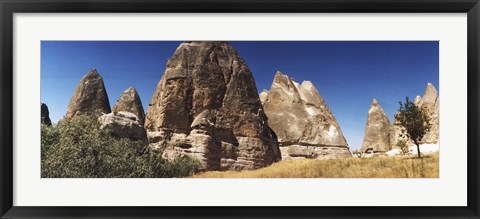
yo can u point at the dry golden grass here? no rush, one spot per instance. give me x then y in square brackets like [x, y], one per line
[375, 167]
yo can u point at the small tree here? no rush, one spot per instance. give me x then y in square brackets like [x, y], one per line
[415, 121]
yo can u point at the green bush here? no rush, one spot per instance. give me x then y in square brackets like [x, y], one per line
[78, 148]
[402, 144]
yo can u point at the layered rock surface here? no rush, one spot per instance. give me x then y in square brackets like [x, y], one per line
[377, 130]
[123, 125]
[127, 118]
[89, 97]
[129, 101]
[45, 115]
[206, 105]
[305, 126]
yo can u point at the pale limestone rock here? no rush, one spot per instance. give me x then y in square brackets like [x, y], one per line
[377, 130]
[304, 124]
[123, 125]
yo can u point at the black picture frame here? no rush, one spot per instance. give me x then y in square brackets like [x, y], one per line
[9, 7]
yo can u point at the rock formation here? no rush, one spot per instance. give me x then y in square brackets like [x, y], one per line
[45, 115]
[398, 133]
[430, 103]
[206, 105]
[377, 130]
[123, 125]
[89, 97]
[129, 101]
[305, 126]
[263, 96]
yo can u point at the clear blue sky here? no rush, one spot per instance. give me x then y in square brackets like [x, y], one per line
[347, 74]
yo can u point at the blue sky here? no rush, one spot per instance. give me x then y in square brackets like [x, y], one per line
[347, 74]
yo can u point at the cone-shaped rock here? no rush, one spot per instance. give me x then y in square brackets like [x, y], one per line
[89, 97]
[45, 115]
[129, 101]
[377, 130]
[304, 124]
[206, 105]
[124, 124]
[430, 103]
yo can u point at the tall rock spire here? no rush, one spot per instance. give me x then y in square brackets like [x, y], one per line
[377, 130]
[430, 103]
[206, 105]
[89, 97]
[304, 124]
[129, 101]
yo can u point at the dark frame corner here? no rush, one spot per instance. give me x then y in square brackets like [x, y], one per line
[9, 7]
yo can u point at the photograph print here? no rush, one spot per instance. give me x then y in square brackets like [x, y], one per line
[240, 109]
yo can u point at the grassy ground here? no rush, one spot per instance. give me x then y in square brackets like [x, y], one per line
[376, 167]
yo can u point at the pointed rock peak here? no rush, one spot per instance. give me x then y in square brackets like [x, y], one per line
[280, 74]
[375, 107]
[417, 100]
[430, 90]
[90, 96]
[377, 130]
[130, 101]
[93, 72]
[130, 89]
[281, 78]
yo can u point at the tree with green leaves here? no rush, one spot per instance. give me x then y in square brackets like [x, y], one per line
[415, 121]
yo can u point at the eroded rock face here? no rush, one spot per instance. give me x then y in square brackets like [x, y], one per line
[377, 130]
[89, 97]
[123, 125]
[305, 126]
[398, 133]
[129, 101]
[45, 115]
[206, 105]
[430, 103]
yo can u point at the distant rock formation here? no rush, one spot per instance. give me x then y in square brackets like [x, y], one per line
[263, 96]
[377, 130]
[89, 97]
[45, 115]
[124, 125]
[206, 105]
[129, 101]
[430, 103]
[305, 126]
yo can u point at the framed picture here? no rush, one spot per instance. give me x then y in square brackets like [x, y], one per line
[239, 109]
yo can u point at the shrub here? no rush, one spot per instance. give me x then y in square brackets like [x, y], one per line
[402, 144]
[78, 148]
